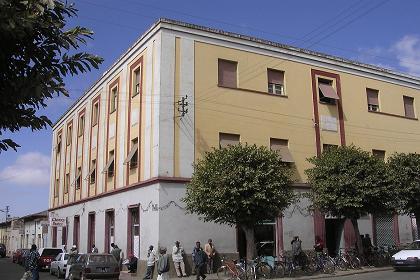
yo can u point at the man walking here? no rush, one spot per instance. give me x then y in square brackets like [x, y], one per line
[73, 254]
[178, 258]
[210, 252]
[200, 260]
[33, 260]
[116, 252]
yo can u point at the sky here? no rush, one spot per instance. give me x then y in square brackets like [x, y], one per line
[380, 32]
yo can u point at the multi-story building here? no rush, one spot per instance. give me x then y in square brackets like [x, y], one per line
[123, 153]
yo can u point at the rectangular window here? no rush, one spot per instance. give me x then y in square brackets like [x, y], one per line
[78, 181]
[69, 134]
[66, 183]
[64, 236]
[136, 82]
[91, 231]
[327, 93]
[113, 97]
[95, 113]
[281, 146]
[133, 235]
[380, 154]
[92, 172]
[227, 139]
[372, 99]
[81, 125]
[275, 82]
[58, 146]
[76, 231]
[57, 187]
[132, 157]
[109, 229]
[409, 107]
[109, 167]
[54, 237]
[227, 73]
[326, 147]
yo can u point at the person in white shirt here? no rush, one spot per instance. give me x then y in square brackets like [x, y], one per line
[178, 258]
[151, 259]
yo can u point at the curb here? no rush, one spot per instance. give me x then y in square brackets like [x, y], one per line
[344, 273]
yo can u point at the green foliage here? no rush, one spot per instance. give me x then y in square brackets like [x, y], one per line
[36, 54]
[404, 171]
[348, 182]
[239, 184]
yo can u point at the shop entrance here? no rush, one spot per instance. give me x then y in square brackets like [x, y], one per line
[265, 240]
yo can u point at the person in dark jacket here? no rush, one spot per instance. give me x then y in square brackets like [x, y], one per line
[200, 260]
[132, 264]
[33, 262]
[163, 265]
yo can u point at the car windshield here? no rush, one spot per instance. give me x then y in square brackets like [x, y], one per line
[101, 259]
[51, 252]
[414, 246]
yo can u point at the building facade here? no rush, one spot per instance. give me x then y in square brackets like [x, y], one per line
[123, 153]
[21, 233]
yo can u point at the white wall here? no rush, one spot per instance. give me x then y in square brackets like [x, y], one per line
[175, 224]
[405, 230]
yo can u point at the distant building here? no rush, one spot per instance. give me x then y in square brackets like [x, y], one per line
[123, 153]
[22, 232]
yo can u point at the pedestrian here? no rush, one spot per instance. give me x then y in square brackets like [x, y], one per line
[178, 259]
[33, 262]
[200, 260]
[73, 254]
[163, 265]
[151, 259]
[94, 249]
[210, 251]
[297, 250]
[319, 245]
[116, 252]
[132, 264]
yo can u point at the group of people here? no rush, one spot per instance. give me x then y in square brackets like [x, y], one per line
[202, 261]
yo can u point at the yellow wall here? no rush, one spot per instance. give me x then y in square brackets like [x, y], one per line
[257, 116]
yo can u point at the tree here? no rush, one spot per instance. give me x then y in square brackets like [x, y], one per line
[348, 183]
[404, 171]
[36, 54]
[239, 185]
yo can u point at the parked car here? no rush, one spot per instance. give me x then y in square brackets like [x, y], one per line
[95, 266]
[408, 258]
[25, 254]
[47, 256]
[2, 250]
[59, 265]
[17, 256]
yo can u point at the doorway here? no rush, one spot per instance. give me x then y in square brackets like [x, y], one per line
[333, 228]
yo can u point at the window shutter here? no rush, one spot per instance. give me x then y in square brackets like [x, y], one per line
[227, 73]
[226, 139]
[281, 147]
[275, 76]
[409, 106]
[372, 97]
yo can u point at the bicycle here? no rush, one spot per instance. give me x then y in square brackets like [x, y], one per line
[230, 271]
[323, 263]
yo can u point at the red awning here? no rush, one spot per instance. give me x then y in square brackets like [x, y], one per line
[328, 91]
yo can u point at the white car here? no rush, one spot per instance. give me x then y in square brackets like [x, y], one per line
[408, 258]
[59, 264]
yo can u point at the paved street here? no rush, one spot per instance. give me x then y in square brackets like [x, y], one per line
[11, 271]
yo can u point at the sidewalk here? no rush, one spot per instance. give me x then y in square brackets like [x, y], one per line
[338, 273]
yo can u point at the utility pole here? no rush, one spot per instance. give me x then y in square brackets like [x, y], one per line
[183, 105]
[6, 211]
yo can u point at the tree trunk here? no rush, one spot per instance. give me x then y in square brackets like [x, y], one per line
[357, 233]
[250, 242]
[417, 214]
